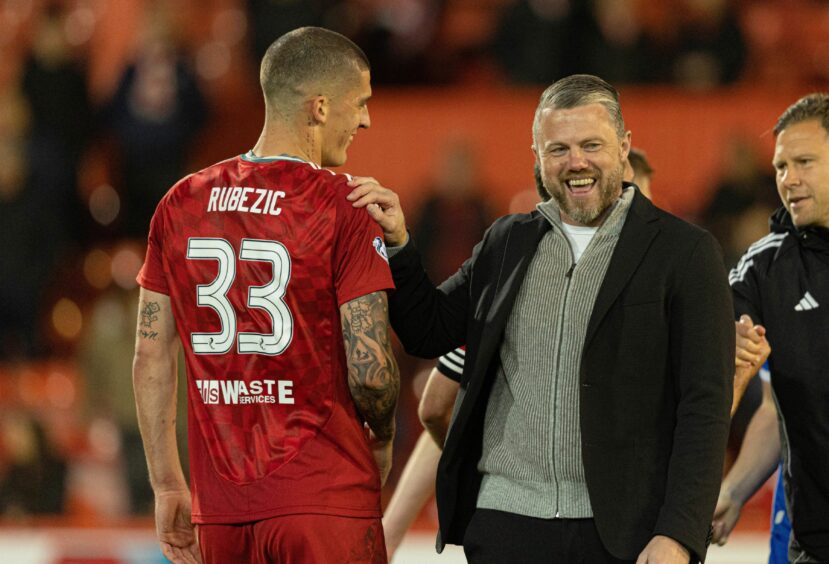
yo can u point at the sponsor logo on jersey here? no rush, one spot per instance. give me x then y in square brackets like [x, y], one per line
[380, 247]
[239, 392]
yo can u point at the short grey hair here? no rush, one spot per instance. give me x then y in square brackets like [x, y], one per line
[811, 106]
[580, 90]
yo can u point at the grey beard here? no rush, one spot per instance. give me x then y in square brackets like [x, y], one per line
[588, 215]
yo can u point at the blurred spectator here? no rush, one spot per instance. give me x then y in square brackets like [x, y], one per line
[35, 177]
[744, 191]
[639, 171]
[396, 36]
[540, 41]
[454, 215]
[618, 52]
[530, 42]
[710, 48]
[273, 18]
[32, 476]
[105, 355]
[55, 86]
[155, 114]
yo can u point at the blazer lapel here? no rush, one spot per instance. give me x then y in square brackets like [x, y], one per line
[522, 242]
[641, 226]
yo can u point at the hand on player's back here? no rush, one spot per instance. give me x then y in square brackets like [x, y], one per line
[382, 205]
[176, 533]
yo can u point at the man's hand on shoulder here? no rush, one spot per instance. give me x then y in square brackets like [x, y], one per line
[176, 533]
[664, 550]
[382, 205]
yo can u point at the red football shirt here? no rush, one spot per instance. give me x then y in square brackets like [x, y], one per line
[257, 255]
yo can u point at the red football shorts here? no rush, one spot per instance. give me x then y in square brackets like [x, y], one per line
[295, 539]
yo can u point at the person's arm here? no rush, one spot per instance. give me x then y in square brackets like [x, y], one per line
[435, 409]
[429, 321]
[758, 458]
[415, 487]
[373, 376]
[702, 342]
[154, 378]
[752, 351]
[417, 482]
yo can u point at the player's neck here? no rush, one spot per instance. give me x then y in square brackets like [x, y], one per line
[275, 141]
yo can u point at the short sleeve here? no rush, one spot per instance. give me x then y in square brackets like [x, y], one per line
[451, 364]
[361, 264]
[152, 275]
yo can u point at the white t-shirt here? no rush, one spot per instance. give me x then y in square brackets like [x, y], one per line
[579, 237]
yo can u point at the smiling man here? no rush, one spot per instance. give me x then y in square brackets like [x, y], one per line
[258, 266]
[593, 410]
[782, 283]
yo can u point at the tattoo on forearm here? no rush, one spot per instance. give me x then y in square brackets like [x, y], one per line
[148, 313]
[373, 376]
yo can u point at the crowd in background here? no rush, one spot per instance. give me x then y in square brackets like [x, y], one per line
[83, 164]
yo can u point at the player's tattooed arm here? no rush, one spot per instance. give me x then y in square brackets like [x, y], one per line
[148, 320]
[373, 376]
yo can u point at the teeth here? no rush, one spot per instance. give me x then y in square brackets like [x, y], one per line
[581, 182]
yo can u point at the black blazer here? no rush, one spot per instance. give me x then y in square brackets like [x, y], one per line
[656, 372]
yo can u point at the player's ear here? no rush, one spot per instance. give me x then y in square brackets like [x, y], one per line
[320, 108]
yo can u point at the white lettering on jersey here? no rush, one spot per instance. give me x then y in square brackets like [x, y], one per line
[242, 206]
[237, 392]
[237, 198]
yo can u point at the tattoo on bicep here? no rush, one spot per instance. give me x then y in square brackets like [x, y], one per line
[373, 376]
[148, 311]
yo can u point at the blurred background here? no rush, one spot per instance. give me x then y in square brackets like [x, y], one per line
[104, 104]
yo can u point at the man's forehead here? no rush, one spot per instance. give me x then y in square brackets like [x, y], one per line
[589, 115]
[801, 133]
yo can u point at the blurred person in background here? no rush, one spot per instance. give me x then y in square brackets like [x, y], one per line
[32, 473]
[104, 351]
[454, 213]
[646, 301]
[709, 49]
[781, 284]
[54, 84]
[290, 433]
[155, 114]
[737, 213]
[35, 175]
[269, 19]
[530, 43]
[639, 171]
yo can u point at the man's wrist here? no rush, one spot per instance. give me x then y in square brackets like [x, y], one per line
[396, 240]
[392, 250]
[732, 494]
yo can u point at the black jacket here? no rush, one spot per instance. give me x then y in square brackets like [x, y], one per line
[782, 282]
[656, 372]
